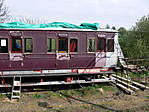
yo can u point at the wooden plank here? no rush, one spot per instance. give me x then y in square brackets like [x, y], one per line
[136, 83]
[128, 90]
[60, 82]
[5, 85]
[64, 82]
[129, 85]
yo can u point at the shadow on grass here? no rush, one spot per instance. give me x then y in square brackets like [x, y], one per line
[86, 102]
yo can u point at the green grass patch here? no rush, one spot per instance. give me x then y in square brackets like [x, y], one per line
[52, 94]
[2, 96]
[89, 90]
[135, 75]
[39, 95]
[140, 75]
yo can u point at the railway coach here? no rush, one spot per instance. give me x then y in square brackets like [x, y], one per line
[59, 51]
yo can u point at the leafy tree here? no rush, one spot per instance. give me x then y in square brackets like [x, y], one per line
[113, 27]
[107, 26]
[136, 45]
[3, 12]
[122, 32]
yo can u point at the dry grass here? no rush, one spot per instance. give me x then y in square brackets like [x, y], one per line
[89, 99]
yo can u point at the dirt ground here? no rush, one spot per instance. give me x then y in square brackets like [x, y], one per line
[88, 99]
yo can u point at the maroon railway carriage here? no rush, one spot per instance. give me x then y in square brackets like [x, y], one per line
[57, 52]
[54, 49]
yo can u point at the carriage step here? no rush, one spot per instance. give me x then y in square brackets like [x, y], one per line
[16, 91]
[15, 97]
[16, 83]
[16, 88]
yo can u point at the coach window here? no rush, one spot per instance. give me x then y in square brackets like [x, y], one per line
[101, 42]
[110, 45]
[17, 45]
[63, 44]
[91, 45]
[3, 45]
[51, 45]
[28, 45]
[73, 45]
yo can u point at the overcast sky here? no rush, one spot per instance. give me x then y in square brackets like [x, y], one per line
[113, 12]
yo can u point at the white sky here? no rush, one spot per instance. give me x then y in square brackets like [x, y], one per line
[113, 12]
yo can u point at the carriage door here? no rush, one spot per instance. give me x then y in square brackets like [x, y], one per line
[16, 51]
[62, 55]
[111, 55]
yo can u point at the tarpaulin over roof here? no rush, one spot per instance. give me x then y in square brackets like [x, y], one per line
[19, 25]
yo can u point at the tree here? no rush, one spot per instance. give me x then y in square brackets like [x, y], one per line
[122, 32]
[136, 45]
[3, 11]
[107, 26]
[113, 27]
[29, 20]
[140, 37]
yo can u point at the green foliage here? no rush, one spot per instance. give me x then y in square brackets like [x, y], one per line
[123, 33]
[2, 96]
[113, 27]
[39, 96]
[107, 26]
[88, 90]
[136, 41]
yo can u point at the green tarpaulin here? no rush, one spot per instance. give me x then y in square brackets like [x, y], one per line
[93, 26]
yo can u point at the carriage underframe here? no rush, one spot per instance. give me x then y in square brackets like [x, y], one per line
[54, 77]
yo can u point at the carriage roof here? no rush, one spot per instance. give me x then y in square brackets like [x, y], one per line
[55, 26]
[59, 29]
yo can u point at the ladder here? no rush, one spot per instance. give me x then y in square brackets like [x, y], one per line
[16, 87]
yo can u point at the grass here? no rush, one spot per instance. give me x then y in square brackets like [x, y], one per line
[39, 96]
[138, 109]
[52, 94]
[134, 75]
[81, 92]
[140, 75]
[49, 94]
[2, 96]
[88, 90]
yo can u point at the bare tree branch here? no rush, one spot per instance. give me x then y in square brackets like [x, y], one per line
[29, 20]
[3, 11]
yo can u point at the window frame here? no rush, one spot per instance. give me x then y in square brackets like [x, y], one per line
[107, 50]
[7, 42]
[104, 45]
[24, 47]
[77, 45]
[88, 44]
[21, 51]
[55, 45]
[67, 50]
